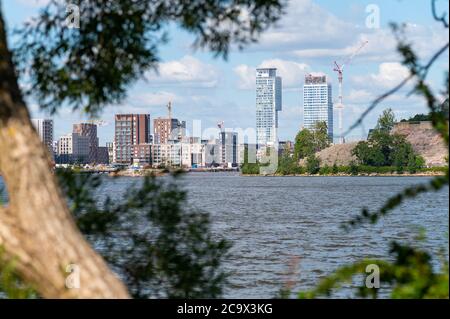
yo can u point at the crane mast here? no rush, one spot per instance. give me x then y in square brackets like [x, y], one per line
[220, 125]
[340, 71]
[169, 109]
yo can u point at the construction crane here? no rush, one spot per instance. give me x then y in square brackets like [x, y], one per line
[340, 70]
[169, 109]
[98, 122]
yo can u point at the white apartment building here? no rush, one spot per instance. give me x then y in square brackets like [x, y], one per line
[168, 154]
[193, 155]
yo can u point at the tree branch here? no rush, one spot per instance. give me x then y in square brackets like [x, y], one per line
[37, 228]
[442, 18]
[422, 75]
[378, 101]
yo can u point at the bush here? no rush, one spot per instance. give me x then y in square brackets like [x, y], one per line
[159, 246]
[354, 169]
[325, 170]
[312, 164]
[335, 169]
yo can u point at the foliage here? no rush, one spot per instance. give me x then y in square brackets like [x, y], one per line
[353, 168]
[249, 168]
[325, 170]
[411, 275]
[158, 246]
[287, 164]
[117, 42]
[312, 164]
[418, 118]
[385, 149]
[304, 144]
[321, 137]
[335, 169]
[308, 142]
[11, 285]
[386, 121]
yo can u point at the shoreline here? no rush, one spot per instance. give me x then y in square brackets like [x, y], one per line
[163, 173]
[422, 174]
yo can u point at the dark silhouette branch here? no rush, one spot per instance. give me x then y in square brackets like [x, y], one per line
[378, 101]
[442, 18]
[422, 73]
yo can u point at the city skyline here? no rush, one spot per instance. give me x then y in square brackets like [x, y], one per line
[212, 90]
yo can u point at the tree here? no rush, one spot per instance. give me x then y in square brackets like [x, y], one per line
[247, 167]
[321, 137]
[384, 148]
[418, 118]
[173, 256]
[415, 162]
[308, 142]
[386, 121]
[368, 154]
[411, 274]
[401, 153]
[304, 144]
[88, 68]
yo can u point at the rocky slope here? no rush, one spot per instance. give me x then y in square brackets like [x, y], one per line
[421, 135]
[425, 141]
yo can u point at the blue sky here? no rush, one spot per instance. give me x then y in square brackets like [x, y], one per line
[309, 38]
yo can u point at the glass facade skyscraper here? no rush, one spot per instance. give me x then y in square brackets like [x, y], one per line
[268, 103]
[317, 102]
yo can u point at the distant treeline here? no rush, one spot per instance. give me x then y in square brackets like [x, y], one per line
[418, 118]
[353, 169]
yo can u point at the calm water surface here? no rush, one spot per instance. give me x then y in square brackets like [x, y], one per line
[274, 221]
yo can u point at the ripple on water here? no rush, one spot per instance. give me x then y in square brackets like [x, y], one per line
[273, 221]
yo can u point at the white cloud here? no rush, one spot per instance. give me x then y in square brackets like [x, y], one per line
[389, 75]
[143, 100]
[359, 96]
[292, 73]
[246, 76]
[306, 25]
[310, 31]
[187, 72]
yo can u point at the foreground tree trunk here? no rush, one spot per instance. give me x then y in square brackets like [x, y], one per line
[36, 228]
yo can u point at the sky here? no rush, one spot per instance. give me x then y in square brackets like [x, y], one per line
[308, 38]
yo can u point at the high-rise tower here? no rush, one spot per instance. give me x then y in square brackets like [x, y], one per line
[317, 102]
[268, 103]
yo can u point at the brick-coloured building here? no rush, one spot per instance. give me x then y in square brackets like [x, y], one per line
[166, 129]
[130, 130]
[142, 154]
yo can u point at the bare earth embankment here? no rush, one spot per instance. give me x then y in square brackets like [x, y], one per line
[423, 138]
